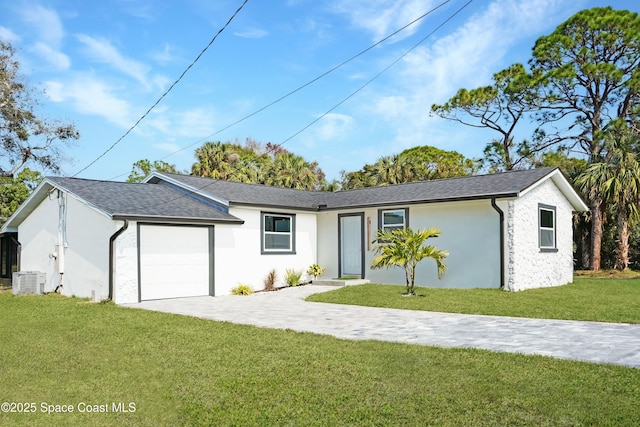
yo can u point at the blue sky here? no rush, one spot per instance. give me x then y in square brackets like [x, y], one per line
[103, 64]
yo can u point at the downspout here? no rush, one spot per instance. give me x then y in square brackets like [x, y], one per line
[501, 214]
[112, 240]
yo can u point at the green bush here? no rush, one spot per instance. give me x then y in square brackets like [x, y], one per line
[242, 290]
[292, 277]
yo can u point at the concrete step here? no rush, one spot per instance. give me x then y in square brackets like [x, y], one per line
[340, 282]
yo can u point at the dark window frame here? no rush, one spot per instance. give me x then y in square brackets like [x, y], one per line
[381, 213]
[541, 228]
[292, 234]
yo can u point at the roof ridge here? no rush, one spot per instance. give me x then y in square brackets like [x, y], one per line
[254, 184]
[485, 175]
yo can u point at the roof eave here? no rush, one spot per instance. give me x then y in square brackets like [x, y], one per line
[563, 184]
[175, 219]
[423, 201]
[274, 206]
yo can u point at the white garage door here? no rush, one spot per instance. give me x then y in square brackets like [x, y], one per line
[174, 261]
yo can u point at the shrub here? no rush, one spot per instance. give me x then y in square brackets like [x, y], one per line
[292, 277]
[242, 290]
[315, 270]
[270, 281]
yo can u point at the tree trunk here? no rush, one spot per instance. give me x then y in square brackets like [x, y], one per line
[596, 235]
[585, 258]
[622, 253]
[406, 278]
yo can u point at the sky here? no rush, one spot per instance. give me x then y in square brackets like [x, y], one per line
[102, 65]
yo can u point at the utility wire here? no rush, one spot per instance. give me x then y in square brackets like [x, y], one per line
[343, 100]
[310, 82]
[339, 103]
[373, 78]
[165, 92]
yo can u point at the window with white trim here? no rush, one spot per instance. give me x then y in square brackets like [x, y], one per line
[392, 219]
[547, 227]
[278, 233]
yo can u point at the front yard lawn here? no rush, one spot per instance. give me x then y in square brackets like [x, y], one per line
[601, 300]
[178, 370]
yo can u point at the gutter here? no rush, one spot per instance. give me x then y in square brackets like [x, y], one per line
[501, 215]
[112, 240]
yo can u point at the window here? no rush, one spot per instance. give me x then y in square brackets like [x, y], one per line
[278, 233]
[390, 220]
[547, 227]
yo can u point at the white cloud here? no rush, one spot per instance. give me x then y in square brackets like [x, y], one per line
[88, 95]
[167, 147]
[333, 127]
[49, 33]
[252, 33]
[45, 22]
[54, 57]
[140, 9]
[165, 56]
[101, 50]
[468, 58]
[189, 123]
[8, 36]
[382, 17]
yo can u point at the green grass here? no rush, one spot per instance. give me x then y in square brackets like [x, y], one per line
[602, 300]
[186, 371]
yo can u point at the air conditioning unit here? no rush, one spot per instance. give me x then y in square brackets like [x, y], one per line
[28, 282]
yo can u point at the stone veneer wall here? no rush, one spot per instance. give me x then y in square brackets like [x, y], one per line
[527, 266]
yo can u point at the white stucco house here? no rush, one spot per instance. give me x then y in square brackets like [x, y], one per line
[177, 235]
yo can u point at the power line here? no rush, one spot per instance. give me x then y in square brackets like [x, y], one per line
[310, 82]
[373, 78]
[165, 92]
[188, 193]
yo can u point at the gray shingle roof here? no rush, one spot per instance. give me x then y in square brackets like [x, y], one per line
[251, 194]
[153, 202]
[507, 184]
[137, 200]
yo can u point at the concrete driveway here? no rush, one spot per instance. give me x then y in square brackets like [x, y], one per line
[286, 309]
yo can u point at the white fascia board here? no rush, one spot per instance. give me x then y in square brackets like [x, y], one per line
[564, 186]
[186, 187]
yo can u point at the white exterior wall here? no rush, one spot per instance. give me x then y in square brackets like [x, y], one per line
[469, 231]
[527, 266]
[125, 274]
[328, 242]
[86, 259]
[237, 255]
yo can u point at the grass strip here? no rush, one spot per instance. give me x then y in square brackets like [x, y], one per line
[591, 299]
[186, 371]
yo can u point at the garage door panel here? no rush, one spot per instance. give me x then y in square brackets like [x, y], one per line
[174, 261]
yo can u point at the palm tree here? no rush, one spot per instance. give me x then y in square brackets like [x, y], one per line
[290, 171]
[215, 160]
[405, 248]
[616, 182]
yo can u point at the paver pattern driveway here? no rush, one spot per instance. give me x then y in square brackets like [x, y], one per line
[597, 342]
